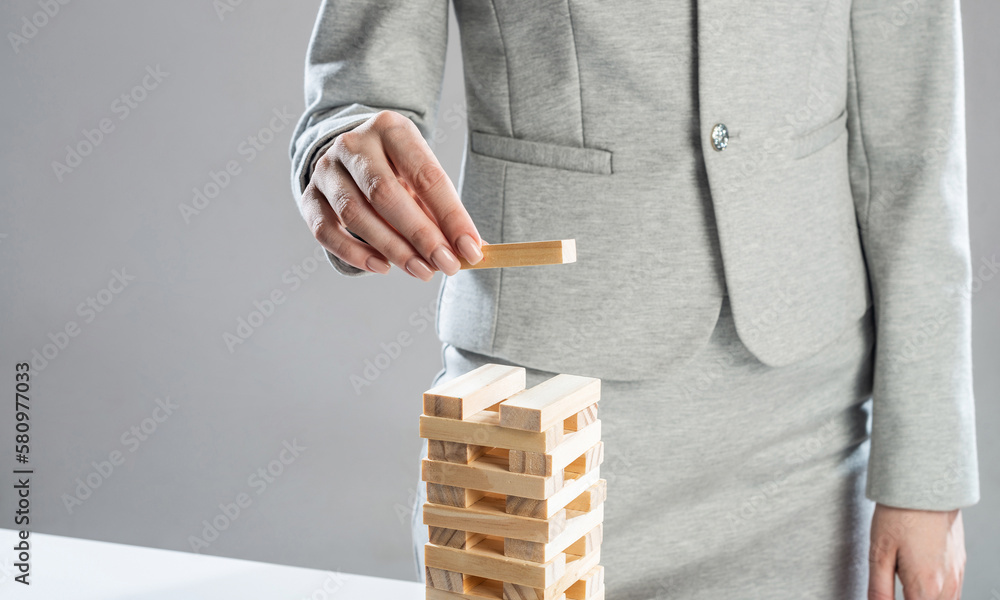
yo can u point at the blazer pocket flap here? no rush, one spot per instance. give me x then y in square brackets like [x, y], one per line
[541, 154]
[819, 138]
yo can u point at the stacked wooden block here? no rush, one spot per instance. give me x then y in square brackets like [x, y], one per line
[514, 494]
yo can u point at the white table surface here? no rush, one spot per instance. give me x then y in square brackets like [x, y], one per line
[75, 569]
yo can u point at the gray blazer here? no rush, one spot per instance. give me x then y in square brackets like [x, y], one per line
[842, 187]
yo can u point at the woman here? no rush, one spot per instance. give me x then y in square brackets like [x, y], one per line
[769, 205]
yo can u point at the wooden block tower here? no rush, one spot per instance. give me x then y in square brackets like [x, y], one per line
[515, 502]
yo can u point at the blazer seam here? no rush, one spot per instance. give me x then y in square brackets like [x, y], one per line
[818, 36]
[861, 130]
[579, 78]
[496, 308]
[506, 62]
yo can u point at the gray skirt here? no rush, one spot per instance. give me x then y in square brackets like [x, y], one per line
[730, 478]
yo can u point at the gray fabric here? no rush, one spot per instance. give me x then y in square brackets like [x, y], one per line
[843, 187]
[730, 478]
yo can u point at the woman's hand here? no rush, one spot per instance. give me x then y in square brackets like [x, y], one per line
[927, 547]
[382, 182]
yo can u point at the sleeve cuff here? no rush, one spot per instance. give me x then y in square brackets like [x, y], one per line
[313, 152]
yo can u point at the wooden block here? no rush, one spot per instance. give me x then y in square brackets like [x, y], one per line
[532, 463]
[598, 594]
[515, 499]
[444, 580]
[576, 567]
[490, 473]
[588, 460]
[591, 498]
[513, 591]
[543, 509]
[474, 391]
[550, 402]
[489, 589]
[455, 452]
[581, 419]
[517, 460]
[453, 538]
[489, 516]
[484, 429]
[589, 585]
[577, 527]
[486, 559]
[450, 495]
[524, 254]
[588, 542]
[566, 455]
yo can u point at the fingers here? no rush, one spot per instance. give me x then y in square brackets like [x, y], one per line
[330, 233]
[881, 583]
[382, 182]
[416, 164]
[357, 215]
[958, 536]
[362, 155]
[882, 567]
[925, 547]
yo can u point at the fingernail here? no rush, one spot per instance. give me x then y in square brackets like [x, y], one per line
[469, 249]
[377, 264]
[445, 260]
[419, 269]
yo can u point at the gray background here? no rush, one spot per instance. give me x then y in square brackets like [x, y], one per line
[343, 503]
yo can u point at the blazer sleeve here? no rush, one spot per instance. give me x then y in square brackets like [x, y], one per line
[907, 158]
[365, 56]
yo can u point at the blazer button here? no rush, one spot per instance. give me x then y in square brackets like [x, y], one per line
[720, 136]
